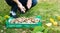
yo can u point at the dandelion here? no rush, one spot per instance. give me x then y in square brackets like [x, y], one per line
[6, 16]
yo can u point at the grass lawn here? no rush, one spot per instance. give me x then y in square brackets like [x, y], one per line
[46, 9]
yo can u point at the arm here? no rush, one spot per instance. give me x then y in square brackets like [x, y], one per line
[29, 4]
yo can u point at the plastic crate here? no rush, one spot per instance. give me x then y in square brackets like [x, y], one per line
[9, 25]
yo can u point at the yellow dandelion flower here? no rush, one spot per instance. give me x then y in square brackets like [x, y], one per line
[52, 20]
[6, 16]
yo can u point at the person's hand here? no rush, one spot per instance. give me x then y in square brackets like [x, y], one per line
[22, 8]
[29, 4]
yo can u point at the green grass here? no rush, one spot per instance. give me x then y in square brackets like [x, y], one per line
[44, 9]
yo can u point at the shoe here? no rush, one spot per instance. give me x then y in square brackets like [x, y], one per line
[14, 16]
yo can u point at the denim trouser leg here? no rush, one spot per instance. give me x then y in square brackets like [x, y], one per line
[14, 9]
[34, 2]
[12, 4]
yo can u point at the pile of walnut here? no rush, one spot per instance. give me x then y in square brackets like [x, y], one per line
[25, 20]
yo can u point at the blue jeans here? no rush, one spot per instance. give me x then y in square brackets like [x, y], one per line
[24, 3]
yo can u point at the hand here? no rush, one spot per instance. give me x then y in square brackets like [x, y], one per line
[22, 8]
[29, 4]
